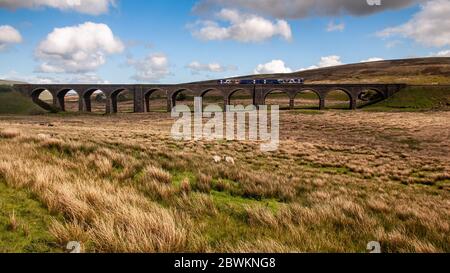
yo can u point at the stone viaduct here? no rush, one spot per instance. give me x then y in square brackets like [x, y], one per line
[142, 92]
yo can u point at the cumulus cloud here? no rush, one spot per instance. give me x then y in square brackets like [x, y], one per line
[9, 35]
[373, 59]
[272, 67]
[335, 27]
[154, 67]
[241, 27]
[93, 7]
[197, 67]
[442, 53]
[87, 78]
[40, 79]
[305, 8]
[77, 49]
[326, 61]
[430, 26]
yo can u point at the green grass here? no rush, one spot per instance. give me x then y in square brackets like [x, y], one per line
[334, 95]
[30, 233]
[416, 99]
[12, 102]
[307, 96]
[225, 199]
[179, 176]
[230, 224]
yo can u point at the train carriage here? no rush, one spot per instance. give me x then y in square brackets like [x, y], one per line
[261, 81]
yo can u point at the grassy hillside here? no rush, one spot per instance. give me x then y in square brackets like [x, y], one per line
[417, 98]
[420, 71]
[13, 102]
[410, 71]
[9, 83]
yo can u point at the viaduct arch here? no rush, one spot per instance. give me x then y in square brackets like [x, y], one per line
[142, 92]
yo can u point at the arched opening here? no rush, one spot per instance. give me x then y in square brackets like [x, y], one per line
[155, 100]
[44, 99]
[122, 101]
[241, 97]
[278, 97]
[368, 97]
[69, 100]
[95, 101]
[337, 99]
[212, 96]
[307, 99]
[184, 97]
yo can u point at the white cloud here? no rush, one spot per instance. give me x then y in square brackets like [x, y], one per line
[154, 67]
[38, 79]
[373, 59]
[430, 26]
[304, 8]
[443, 53]
[273, 67]
[87, 78]
[93, 7]
[330, 61]
[241, 27]
[335, 27]
[326, 61]
[77, 49]
[197, 67]
[9, 35]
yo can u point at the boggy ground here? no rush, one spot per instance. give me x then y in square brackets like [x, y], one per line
[339, 180]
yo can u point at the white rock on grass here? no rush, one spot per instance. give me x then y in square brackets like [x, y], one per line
[229, 159]
[43, 136]
[217, 159]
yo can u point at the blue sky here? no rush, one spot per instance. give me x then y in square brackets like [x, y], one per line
[169, 40]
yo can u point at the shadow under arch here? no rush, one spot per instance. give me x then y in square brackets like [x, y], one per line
[369, 96]
[183, 95]
[69, 98]
[99, 103]
[44, 102]
[307, 99]
[159, 97]
[120, 101]
[278, 97]
[213, 96]
[338, 98]
[242, 96]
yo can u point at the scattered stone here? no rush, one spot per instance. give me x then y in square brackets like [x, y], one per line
[229, 160]
[43, 136]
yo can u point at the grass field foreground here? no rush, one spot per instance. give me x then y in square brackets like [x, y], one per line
[339, 180]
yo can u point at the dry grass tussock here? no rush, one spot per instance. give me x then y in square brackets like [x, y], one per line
[107, 218]
[9, 133]
[338, 181]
